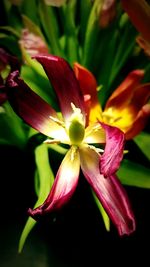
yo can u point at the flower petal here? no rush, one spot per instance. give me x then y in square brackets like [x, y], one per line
[109, 191]
[139, 13]
[139, 123]
[64, 185]
[56, 3]
[113, 153]
[141, 96]
[64, 82]
[94, 133]
[122, 95]
[7, 59]
[30, 107]
[3, 96]
[88, 87]
[32, 43]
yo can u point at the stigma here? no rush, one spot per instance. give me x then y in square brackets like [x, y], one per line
[76, 129]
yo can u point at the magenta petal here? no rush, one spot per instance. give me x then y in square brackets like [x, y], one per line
[64, 82]
[109, 191]
[64, 185]
[3, 96]
[113, 153]
[8, 59]
[28, 105]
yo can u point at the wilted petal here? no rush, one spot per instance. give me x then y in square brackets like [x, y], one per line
[64, 82]
[32, 108]
[109, 191]
[8, 59]
[3, 95]
[113, 153]
[64, 185]
[145, 45]
[139, 13]
[88, 87]
[56, 3]
[108, 13]
[123, 94]
[141, 96]
[32, 43]
[139, 123]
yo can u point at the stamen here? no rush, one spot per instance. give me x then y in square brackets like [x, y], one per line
[93, 128]
[59, 122]
[51, 141]
[73, 152]
[96, 149]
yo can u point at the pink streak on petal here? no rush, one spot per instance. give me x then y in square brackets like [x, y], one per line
[64, 185]
[113, 153]
[64, 82]
[109, 191]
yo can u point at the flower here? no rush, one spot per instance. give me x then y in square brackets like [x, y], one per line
[127, 108]
[108, 13]
[139, 14]
[74, 130]
[7, 63]
[32, 43]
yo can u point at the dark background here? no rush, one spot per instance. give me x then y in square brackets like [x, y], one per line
[75, 236]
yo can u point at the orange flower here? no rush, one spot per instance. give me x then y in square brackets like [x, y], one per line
[127, 108]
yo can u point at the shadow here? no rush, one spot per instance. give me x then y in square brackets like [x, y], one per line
[73, 237]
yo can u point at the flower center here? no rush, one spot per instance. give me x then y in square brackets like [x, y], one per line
[76, 127]
[76, 132]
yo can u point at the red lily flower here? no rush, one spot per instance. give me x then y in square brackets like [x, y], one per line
[73, 129]
[127, 108]
[10, 62]
[139, 14]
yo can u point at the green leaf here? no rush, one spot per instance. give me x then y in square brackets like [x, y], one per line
[10, 30]
[50, 27]
[91, 35]
[103, 212]
[29, 8]
[12, 132]
[39, 84]
[72, 45]
[133, 174]
[46, 179]
[143, 142]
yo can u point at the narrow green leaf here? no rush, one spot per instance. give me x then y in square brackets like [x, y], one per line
[46, 179]
[103, 212]
[85, 8]
[124, 50]
[143, 142]
[50, 27]
[11, 126]
[134, 174]
[70, 28]
[91, 33]
[39, 84]
[10, 30]
[29, 8]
